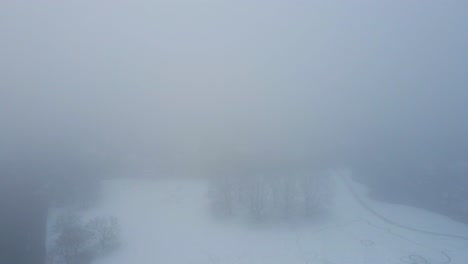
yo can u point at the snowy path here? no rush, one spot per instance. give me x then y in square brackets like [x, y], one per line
[447, 244]
[393, 223]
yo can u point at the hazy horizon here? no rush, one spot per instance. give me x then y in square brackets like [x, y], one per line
[193, 85]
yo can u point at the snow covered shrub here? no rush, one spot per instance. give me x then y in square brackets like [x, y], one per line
[79, 243]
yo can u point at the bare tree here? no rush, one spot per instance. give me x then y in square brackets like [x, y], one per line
[253, 195]
[73, 241]
[316, 193]
[106, 231]
[222, 195]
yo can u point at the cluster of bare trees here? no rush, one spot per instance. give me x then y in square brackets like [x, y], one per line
[272, 196]
[79, 242]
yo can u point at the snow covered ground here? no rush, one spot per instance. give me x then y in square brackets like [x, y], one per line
[169, 222]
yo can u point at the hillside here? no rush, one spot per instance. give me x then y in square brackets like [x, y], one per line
[168, 221]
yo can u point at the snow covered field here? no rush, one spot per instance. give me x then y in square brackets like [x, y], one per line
[168, 221]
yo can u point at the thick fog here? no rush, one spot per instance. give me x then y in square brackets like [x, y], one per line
[193, 84]
[194, 89]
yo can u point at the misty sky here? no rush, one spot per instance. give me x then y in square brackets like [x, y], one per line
[197, 84]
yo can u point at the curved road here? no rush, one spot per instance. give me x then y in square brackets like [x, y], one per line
[391, 222]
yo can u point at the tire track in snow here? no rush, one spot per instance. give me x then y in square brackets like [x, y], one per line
[391, 222]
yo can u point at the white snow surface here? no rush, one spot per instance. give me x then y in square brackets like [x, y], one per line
[169, 221]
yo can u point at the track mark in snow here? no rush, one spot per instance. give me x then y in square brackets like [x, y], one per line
[388, 221]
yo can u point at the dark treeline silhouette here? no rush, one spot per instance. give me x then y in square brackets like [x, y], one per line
[22, 222]
[435, 180]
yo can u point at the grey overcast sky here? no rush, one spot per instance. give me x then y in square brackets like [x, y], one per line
[195, 84]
